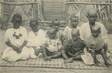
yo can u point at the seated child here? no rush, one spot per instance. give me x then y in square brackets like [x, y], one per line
[56, 24]
[73, 25]
[16, 40]
[52, 48]
[36, 37]
[73, 48]
[96, 45]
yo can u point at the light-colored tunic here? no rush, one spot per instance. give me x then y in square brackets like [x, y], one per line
[36, 39]
[67, 32]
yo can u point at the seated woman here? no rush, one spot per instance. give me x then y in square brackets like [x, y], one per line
[53, 46]
[36, 37]
[97, 45]
[73, 48]
[16, 40]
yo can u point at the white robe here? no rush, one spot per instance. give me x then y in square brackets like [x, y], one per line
[10, 54]
[85, 31]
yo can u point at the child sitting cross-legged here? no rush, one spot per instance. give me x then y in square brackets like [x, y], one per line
[53, 46]
[73, 48]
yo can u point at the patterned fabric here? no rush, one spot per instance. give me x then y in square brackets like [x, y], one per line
[54, 45]
[16, 36]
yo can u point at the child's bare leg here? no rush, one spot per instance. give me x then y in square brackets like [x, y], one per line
[56, 55]
[94, 56]
[104, 55]
[77, 57]
[64, 55]
[67, 59]
[44, 53]
[36, 52]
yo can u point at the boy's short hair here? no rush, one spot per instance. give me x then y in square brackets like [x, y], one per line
[16, 18]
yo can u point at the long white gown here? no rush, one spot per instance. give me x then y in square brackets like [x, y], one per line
[17, 38]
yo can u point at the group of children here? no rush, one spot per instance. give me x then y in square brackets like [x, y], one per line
[70, 44]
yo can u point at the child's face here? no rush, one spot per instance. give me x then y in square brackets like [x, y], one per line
[34, 26]
[96, 33]
[16, 25]
[52, 33]
[55, 24]
[74, 22]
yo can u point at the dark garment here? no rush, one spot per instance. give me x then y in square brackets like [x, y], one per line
[53, 55]
[74, 48]
[98, 50]
[48, 53]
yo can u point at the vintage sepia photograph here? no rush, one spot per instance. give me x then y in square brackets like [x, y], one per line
[55, 36]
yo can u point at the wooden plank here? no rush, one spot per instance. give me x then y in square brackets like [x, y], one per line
[18, 3]
[88, 3]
